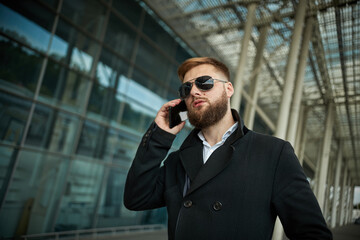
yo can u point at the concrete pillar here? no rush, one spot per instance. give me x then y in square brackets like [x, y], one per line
[336, 187]
[238, 81]
[289, 79]
[298, 91]
[325, 155]
[249, 115]
[343, 196]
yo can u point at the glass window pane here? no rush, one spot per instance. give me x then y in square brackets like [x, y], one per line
[157, 33]
[174, 84]
[104, 103]
[30, 24]
[73, 48]
[152, 61]
[88, 14]
[129, 9]
[137, 116]
[154, 91]
[64, 87]
[120, 148]
[181, 54]
[19, 68]
[112, 210]
[92, 140]
[78, 205]
[51, 3]
[37, 183]
[141, 104]
[7, 156]
[120, 37]
[109, 68]
[13, 116]
[52, 129]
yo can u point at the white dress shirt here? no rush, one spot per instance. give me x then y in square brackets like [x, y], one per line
[207, 149]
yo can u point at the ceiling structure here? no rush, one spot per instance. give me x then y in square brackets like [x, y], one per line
[332, 74]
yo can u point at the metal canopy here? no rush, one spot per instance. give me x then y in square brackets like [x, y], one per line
[215, 28]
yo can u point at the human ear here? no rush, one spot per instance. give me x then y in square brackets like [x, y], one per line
[229, 89]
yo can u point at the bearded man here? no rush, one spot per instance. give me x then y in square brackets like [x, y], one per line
[225, 181]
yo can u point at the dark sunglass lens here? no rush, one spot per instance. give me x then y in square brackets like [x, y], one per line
[185, 89]
[204, 82]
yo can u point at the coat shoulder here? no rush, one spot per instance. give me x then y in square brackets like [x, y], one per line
[266, 141]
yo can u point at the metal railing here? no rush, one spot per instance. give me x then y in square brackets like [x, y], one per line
[95, 233]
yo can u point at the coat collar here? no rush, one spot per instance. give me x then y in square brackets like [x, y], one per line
[191, 155]
[193, 139]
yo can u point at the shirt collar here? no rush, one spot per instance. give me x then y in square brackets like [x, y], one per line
[224, 137]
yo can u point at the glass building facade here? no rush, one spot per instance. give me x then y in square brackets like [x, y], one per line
[80, 82]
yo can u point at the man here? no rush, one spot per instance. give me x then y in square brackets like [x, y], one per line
[225, 181]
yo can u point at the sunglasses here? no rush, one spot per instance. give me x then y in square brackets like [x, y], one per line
[203, 83]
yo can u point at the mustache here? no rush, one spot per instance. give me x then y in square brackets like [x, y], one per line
[199, 98]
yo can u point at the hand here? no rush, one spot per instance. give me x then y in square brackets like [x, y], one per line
[162, 118]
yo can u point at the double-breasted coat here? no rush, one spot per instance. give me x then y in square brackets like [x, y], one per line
[237, 194]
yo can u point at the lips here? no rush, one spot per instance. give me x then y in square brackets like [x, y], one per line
[198, 103]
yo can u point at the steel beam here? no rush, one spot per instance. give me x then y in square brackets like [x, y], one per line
[239, 81]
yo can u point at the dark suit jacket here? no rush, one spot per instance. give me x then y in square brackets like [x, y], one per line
[236, 194]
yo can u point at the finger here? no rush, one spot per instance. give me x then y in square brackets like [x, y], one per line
[165, 108]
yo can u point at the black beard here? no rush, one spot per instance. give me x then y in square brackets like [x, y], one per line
[210, 116]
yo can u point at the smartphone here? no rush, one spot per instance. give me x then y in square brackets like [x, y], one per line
[177, 114]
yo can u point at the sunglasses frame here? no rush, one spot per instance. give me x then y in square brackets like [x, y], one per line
[189, 85]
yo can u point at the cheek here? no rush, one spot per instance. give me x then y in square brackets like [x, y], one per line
[188, 102]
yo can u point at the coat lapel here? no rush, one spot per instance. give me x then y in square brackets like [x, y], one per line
[191, 155]
[214, 165]
[192, 160]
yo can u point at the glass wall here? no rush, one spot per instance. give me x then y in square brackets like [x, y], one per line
[80, 82]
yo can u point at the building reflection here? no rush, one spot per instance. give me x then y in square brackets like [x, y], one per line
[80, 82]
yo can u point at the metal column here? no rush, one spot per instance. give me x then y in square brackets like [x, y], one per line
[343, 196]
[249, 115]
[301, 127]
[348, 200]
[298, 91]
[238, 81]
[351, 207]
[325, 155]
[336, 187]
[300, 143]
[330, 180]
[289, 79]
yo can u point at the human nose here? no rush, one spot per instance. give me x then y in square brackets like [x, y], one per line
[194, 90]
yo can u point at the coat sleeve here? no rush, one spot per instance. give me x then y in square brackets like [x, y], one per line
[294, 201]
[144, 185]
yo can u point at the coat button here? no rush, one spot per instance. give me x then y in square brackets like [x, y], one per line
[217, 206]
[188, 203]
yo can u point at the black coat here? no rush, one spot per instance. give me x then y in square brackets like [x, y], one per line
[236, 194]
